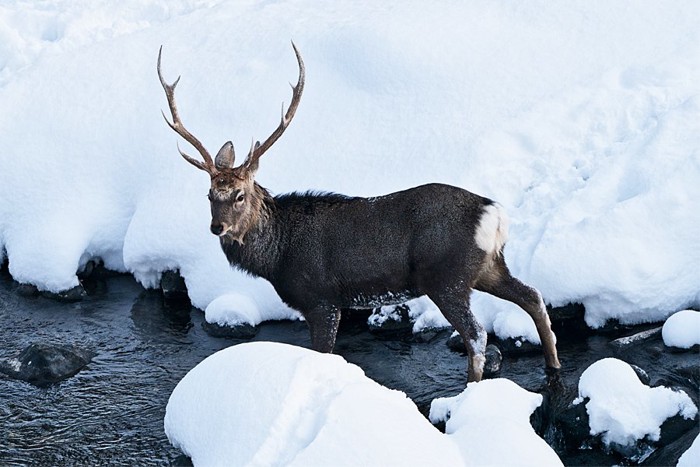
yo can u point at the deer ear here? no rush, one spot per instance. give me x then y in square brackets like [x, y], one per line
[225, 157]
[251, 161]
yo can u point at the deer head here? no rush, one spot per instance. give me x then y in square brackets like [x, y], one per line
[236, 200]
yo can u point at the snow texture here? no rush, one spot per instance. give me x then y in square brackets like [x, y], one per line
[581, 119]
[490, 422]
[274, 404]
[266, 403]
[691, 457]
[682, 329]
[624, 410]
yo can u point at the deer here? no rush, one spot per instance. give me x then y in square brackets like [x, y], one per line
[323, 252]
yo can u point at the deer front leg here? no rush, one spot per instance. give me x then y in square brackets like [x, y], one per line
[323, 323]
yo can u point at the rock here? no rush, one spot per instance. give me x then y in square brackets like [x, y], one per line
[238, 331]
[514, 346]
[671, 452]
[74, 294]
[173, 286]
[641, 374]
[27, 290]
[674, 428]
[635, 339]
[390, 320]
[572, 423]
[455, 342]
[43, 364]
[494, 358]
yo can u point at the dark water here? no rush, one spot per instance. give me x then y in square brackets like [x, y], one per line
[112, 411]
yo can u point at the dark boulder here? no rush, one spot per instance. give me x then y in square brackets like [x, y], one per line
[494, 358]
[173, 286]
[390, 320]
[43, 364]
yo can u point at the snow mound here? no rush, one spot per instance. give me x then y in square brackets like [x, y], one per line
[682, 329]
[274, 404]
[622, 408]
[490, 414]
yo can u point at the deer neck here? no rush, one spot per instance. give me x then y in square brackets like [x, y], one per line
[257, 252]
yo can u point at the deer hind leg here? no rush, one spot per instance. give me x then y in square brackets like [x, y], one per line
[323, 324]
[455, 307]
[496, 280]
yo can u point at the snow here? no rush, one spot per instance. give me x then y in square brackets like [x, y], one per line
[624, 410]
[581, 119]
[682, 329]
[266, 403]
[489, 413]
[274, 404]
[690, 457]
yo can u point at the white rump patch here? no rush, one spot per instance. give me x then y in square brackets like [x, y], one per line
[492, 231]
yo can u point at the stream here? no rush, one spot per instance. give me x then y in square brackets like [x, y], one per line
[112, 411]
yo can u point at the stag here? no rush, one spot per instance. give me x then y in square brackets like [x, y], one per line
[325, 252]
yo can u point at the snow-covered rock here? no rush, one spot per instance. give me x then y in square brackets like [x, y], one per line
[623, 410]
[490, 422]
[682, 329]
[265, 403]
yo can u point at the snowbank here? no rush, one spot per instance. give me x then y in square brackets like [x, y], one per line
[490, 422]
[682, 329]
[275, 404]
[623, 409]
[583, 120]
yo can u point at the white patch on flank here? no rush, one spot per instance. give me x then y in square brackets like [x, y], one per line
[492, 231]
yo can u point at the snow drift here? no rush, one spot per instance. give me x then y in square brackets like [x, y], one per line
[583, 120]
[274, 404]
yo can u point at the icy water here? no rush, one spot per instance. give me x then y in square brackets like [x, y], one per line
[112, 411]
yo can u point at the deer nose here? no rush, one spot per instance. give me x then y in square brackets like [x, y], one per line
[216, 228]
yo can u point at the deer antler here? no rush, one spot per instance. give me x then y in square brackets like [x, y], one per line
[179, 128]
[257, 149]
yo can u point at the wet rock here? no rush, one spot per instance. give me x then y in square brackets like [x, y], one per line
[390, 320]
[74, 294]
[27, 290]
[43, 364]
[572, 423]
[636, 339]
[238, 331]
[455, 342]
[675, 427]
[494, 358]
[173, 286]
[641, 374]
[514, 346]
[671, 452]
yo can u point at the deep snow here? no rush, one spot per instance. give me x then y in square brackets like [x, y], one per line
[581, 119]
[266, 403]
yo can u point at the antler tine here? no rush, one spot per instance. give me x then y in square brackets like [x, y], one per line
[259, 149]
[179, 128]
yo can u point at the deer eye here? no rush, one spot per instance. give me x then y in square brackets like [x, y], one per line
[240, 197]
